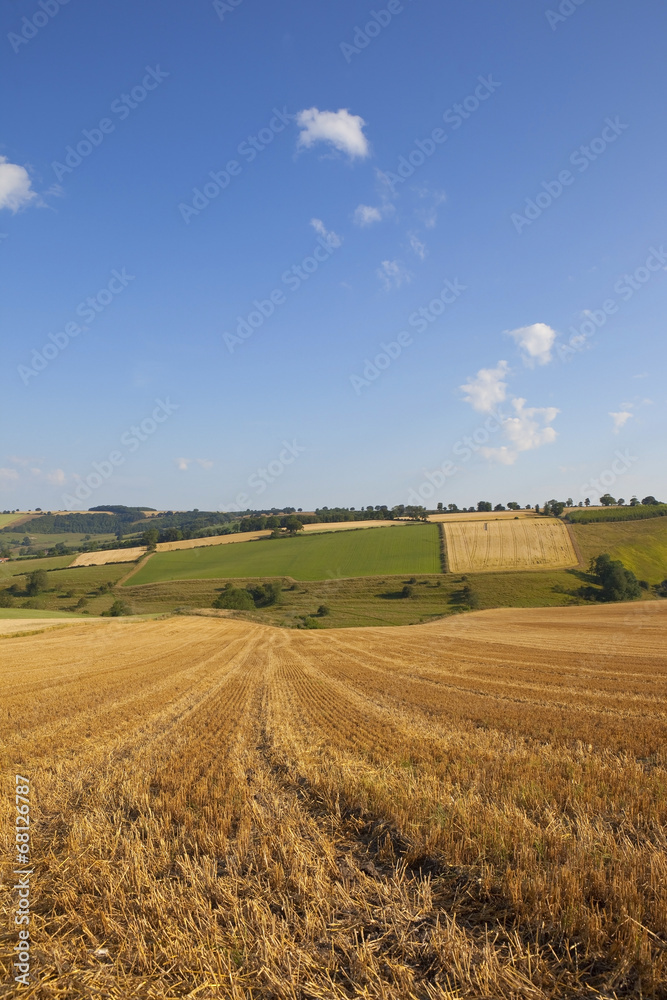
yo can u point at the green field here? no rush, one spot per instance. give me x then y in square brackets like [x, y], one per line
[19, 566]
[334, 555]
[640, 545]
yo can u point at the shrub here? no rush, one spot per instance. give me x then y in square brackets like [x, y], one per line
[264, 594]
[323, 610]
[407, 591]
[310, 622]
[234, 598]
[117, 610]
[6, 599]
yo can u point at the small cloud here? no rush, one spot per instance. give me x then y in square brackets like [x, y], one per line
[366, 215]
[36, 472]
[183, 463]
[642, 375]
[15, 186]
[487, 389]
[333, 239]
[57, 477]
[392, 274]
[339, 129]
[620, 419]
[417, 246]
[535, 343]
[205, 463]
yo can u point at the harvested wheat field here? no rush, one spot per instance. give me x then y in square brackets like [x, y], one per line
[467, 809]
[109, 556]
[526, 543]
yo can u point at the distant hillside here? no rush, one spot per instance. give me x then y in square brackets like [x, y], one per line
[640, 545]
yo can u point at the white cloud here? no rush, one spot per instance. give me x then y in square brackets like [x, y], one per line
[183, 463]
[205, 463]
[339, 129]
[392, 274]
[417, 246]
[333, 239]
[15, 186]
[366, 215]
[535, 343]
[57, 477]
[527, 430]
[487, 389]
[620, 419]
[7, 477]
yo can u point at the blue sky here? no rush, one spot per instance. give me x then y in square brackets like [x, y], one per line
[499, 167]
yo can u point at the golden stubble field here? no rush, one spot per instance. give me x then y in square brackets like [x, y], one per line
[508, 544]
[470, 808]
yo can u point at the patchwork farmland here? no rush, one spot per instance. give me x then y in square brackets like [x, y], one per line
[483, 546]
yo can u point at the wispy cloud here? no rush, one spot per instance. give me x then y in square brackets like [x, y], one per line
[393, 274]
[620, 419]
[366, 215]
[417, 246]
[332, 238]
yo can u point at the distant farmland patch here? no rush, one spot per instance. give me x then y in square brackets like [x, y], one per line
[605, 514]
[383, 551]
[483, 546]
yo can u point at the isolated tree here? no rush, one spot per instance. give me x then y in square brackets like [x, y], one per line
[649, 501]
[513, 505]
[621, 502]
[634, 502]
[499, 506]
[38, 581]
[607, 500]
[484, 505]
[440, 506]
[293, 524]
[569, 502]
[587, 502]
[150, 537]
[452, 507]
